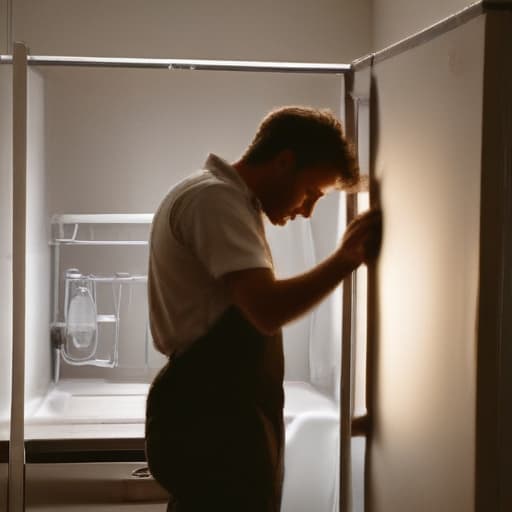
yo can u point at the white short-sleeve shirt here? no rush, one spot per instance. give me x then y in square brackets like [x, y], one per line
[208, 225]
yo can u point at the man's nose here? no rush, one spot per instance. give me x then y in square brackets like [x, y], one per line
[307, 209]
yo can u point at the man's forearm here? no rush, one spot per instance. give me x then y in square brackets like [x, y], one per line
[270, 303]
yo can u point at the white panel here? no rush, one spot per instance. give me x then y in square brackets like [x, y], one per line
[37, 355]
[428, 143]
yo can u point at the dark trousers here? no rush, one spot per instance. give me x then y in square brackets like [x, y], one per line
[214, 427]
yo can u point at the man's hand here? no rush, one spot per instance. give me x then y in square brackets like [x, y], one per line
[362, 238]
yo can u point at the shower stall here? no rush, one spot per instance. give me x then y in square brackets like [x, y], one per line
[86, 178]
[395, 386]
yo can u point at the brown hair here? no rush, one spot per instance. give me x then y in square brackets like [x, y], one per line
[315, 137]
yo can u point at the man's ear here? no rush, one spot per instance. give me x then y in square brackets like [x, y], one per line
[285, 161]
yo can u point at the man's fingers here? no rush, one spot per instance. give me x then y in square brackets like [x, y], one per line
[370, 220]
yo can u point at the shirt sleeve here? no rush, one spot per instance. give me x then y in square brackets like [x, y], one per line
[221, 227]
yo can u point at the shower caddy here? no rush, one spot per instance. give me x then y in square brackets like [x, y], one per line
[75, 324]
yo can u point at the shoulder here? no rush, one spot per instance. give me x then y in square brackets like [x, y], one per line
[201, 187]
[209, 193]
[204, 199]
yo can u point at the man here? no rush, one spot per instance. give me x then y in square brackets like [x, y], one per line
[214, 426]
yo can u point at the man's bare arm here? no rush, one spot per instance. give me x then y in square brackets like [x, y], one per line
[270, 303]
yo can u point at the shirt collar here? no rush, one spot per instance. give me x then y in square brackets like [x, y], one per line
[225, 171]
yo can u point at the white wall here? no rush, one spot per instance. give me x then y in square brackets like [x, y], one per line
[428, 162]
[324, 30]
[117, 139]
[395, 19]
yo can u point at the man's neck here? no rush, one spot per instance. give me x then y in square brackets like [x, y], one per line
[254, 176]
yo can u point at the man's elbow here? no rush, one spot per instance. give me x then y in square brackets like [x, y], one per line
[252, 291]
[264, 322]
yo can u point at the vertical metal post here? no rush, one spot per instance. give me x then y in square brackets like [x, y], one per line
[372, 289]
[346, 395]
[19, 136]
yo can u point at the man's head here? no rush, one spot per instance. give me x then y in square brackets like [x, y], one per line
[300, 154]
[315, 137]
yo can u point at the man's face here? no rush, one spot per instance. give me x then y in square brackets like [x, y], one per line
[297, 191]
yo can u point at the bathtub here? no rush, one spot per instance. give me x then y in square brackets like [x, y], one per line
[312, 450]
[70, 411]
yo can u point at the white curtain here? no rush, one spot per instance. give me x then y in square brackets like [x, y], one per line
[313, 343]
[327, 226]
[293, 253]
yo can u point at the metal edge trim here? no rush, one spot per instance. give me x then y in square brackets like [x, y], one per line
[441, 27]
[185, 64]
[190, 64]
